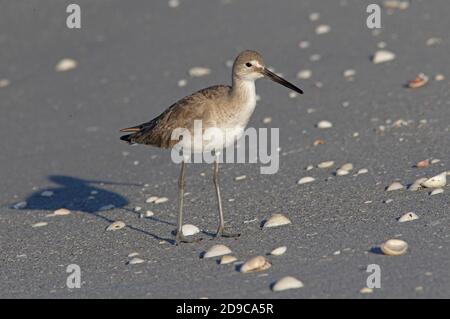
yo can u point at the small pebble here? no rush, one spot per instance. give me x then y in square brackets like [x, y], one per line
[366, 290]
[267, 120]
[135, 261]
[325, 164]
[116, 226]
[189, 230]
[408, 217]
[314, 16]
[199, 71]
[258, 263]
[4, 83]
[182, 83]
[324, 124]
[217, 250]
[278, 251]
[382, 56]
[304, 74]
[40, 224]
[240, 178]
[276, 220]
[322, 29]
[305, 180]
[65, 65]
[286, 283]
[227, 259]
[394, 186]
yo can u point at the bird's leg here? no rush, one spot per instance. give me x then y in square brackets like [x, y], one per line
[221, 230]
[179, 234]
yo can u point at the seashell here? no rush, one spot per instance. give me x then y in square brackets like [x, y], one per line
[240, 178]
[307, 179]
[366, 290]
[276, 220]
[151, 199]
[436, 181]
[423, 164]
[189, 230]
[417, 184]
[394, 186]
[161, 200]
[319, 142]
[349, 73]
[322, 29]
[267, 120]
[199, 71]
[286, 283]
[362, 171]
[437, 191]
[258, 263]
[408, 217]
[59, 212]
[324, 124]
[341, 172]
[149, 213]
[20, 205]
[40, 224]
[394, 247]
[217, 250]
[279, 251]
[418, 82]
[4, 83]
[66, 65]
[382, 56]
[227, 259]
[136, 261]
[304, 74]
[116, 225]
[347, 167]
[326, 164]
[131, 255]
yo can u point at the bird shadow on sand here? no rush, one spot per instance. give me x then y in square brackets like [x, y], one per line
[86, 196]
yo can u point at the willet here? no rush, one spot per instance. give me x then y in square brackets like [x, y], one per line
[224, 107]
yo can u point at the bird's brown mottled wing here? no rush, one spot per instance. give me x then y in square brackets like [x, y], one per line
[181, 114]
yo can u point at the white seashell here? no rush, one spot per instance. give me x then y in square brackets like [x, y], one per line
[137, 208]
[267, 120]
[324, 124]
[40, 224]
[174, 3]
[4, 83]
[366, 290]
[189, 230]
[322, 29]
[151, 199]
[199, 71]
[363, 171]
[307, 179]
[131, 255]
[227, 259]
[47, 194]
[436, 181]
[347, 167]
[116, 225]
[149, 213]
[349, 73]
[182, 83]
[217, 250]
[437, 191]
[20, 205]
[394, 247]
[382, 56]
[304, 74]
[240, 178]
[161, 200]
[408, 217]
[59, 212]
[309, 167]
[341, 172]
[136, 261]
[394, 186]
[286, 283]
[417, 184]
[314, 16]
[326, 164]
[66, 65]
[276, 220]
[279, 251]
[258, 263]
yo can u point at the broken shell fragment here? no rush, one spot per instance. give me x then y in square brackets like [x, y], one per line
[258, 263]
[326, 164]
[382, 56]
[347, 167]
[436, 181]
[227, 259]
[305, 180]
[394, 186]
[423, 164]
[59, 212]
[278, 251]
[116, 226]
[324, 124]
[189, 230]
[66, 65]
[363, 171]
[418, 82]
[135, 261]
[408, 217]
[217, 250]
[199, 71]
[276, 220]
[417, 184]
[341, 172]
[437, 191]
[286, 283]
[161, 200]
[40, 224]
[394, 247]
[151, 199]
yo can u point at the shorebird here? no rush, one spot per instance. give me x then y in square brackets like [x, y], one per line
[220, 106]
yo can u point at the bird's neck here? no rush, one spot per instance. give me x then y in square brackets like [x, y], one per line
[243, 93]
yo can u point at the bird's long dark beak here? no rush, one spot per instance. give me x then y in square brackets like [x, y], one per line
[280, 80]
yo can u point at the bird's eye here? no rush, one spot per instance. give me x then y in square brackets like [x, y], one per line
[248, 64]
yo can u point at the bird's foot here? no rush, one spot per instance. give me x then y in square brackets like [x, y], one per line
[221, 232]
